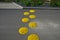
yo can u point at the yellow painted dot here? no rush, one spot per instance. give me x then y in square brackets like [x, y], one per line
[25, 19]
[33, 37]
[26, 13]
[32, 11]
[32, 16]
[23, 30]
[32, 24]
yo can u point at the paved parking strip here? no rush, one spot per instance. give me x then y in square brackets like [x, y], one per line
[11, 5]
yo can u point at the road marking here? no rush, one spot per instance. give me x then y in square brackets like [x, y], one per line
[23, 30]
[32, 11]
[26, 13]
[33, 37]
[25, 19]
[32, 24]
[32, 16]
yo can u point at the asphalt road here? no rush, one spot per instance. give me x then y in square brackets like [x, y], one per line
[48, 24]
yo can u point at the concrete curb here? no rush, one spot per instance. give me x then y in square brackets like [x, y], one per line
[42, 8]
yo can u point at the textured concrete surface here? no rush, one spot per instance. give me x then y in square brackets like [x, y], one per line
[11, 5]
[48, 24]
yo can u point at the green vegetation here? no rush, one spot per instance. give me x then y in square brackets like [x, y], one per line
[6, 0]
[55, 3]
[31, 2]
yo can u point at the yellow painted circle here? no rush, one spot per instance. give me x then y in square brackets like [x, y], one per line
[25, 19]
[32, 11]
[32, 24]
[26, 13]
[32, 16]
[33, 37]
[23, 30]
